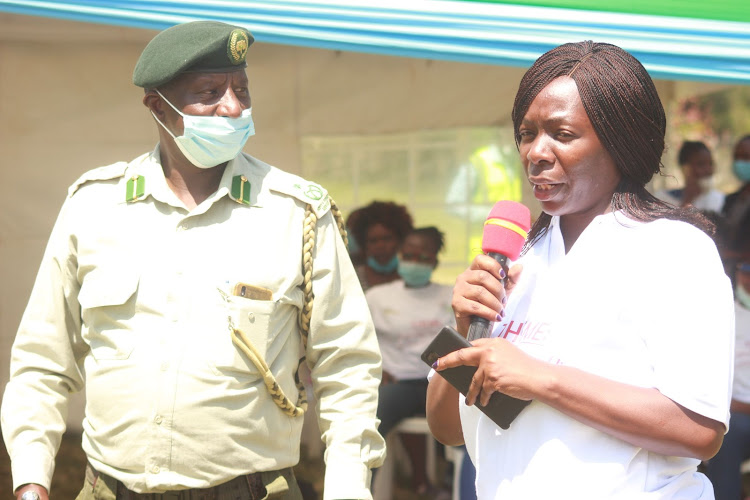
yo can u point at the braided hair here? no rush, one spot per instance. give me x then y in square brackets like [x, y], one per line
[623, 106]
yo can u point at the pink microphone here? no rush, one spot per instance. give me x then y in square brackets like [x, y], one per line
[505, 232]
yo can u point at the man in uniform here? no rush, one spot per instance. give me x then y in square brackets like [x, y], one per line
[171, 288]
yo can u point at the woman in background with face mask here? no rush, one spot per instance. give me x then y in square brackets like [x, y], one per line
[379, 228]
[697, 166]
[407, 314]
[737, 205]
[724, 468]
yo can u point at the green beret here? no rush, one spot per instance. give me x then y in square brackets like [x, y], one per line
[194, 47]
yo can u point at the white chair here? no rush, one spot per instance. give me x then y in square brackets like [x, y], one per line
[382, 487]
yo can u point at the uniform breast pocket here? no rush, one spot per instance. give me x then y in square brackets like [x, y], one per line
[107, 298]
[253, 319]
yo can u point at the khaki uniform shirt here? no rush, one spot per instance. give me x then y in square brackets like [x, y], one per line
[133, 301]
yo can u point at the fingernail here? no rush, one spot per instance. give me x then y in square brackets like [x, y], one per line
[502, 273]
[505, 300]
[498, 317]
[434, 365]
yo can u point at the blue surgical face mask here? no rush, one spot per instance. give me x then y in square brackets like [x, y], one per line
[352, 246]
[415, 274]
[742, 295]
[386, 268]
[208, 141]
[742, 170]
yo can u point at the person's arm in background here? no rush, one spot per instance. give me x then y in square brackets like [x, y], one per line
[740, 407]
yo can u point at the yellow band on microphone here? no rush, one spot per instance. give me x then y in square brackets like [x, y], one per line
[507, 225]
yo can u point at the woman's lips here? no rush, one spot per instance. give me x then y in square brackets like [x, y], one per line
[544, 192]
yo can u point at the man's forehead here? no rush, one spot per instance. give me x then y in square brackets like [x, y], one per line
[201, 78]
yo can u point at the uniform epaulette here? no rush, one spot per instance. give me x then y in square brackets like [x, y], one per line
[104, 173]
[305, 191]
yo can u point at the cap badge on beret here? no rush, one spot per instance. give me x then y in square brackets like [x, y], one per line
[237, 46]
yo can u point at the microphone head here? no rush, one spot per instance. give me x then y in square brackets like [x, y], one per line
[506, 228]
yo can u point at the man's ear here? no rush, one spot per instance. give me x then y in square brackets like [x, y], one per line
[154, 103]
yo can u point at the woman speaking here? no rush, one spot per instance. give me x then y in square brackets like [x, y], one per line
[617, 320]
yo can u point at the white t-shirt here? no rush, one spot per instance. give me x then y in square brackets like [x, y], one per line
[406, 321]
[741, 387]
[648, 305]
[711, 200]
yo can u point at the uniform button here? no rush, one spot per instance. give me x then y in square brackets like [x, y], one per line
[251, 317]
[159, 419]
[155, 469]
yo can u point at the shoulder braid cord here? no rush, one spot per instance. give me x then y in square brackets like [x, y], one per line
[305, 314]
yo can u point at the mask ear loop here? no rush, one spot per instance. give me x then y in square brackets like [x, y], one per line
[158, 120]
[167, 101]
[163, 126]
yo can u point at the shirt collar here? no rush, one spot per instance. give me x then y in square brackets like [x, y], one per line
[144, 177]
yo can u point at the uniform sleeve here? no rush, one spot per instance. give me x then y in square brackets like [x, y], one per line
[346, 369]
[689, 326]
[44, 366]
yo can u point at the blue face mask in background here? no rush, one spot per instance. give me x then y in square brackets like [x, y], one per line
[742, 170]
[415, 274]
[742, 295]
[208, 141]
[352, 246]
[386, 268]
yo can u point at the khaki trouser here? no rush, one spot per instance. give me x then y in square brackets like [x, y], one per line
[278, 485]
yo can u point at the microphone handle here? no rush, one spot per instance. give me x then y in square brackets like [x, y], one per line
[480, 327]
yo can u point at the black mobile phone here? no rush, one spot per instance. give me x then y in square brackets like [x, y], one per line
[501, 408]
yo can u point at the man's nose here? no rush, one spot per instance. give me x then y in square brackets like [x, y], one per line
[230, 106]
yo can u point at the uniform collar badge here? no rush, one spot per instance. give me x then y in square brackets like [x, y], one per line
[241, 189]
[135, 188]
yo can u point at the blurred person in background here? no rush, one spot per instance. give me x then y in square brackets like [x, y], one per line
[737, 205]
[697, 166]
[724, 468]
[353, 247]
[407, 314]
[379, 229]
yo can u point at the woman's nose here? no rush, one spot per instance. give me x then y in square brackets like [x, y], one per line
[539, 151]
